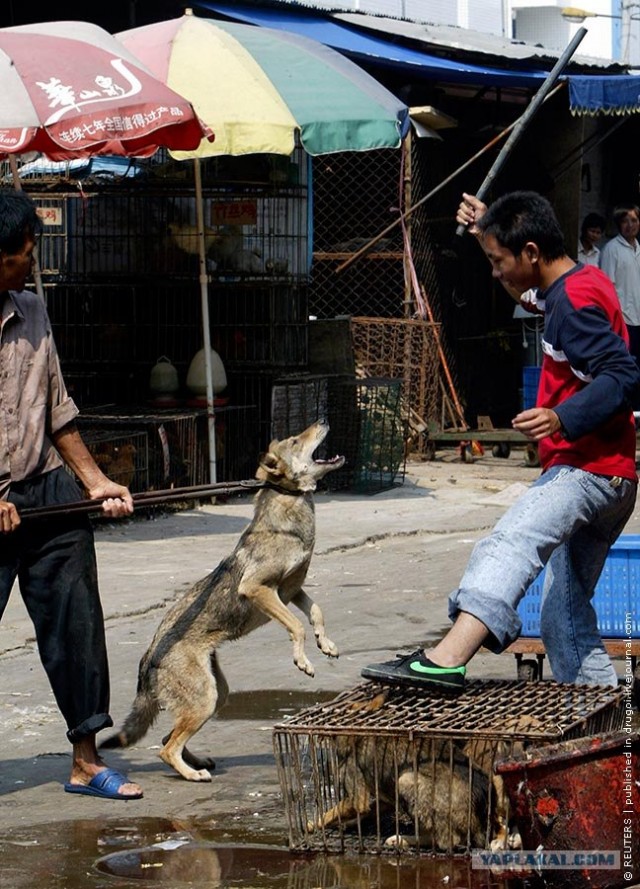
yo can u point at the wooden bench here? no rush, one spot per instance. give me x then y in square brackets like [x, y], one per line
[529, 669]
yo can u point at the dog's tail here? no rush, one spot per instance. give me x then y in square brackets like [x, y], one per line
[143, 714]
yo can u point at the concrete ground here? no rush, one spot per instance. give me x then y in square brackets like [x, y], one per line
[383, 567]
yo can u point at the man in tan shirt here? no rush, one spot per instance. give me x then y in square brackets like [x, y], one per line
[54, 560]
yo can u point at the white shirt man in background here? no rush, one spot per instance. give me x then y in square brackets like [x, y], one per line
[620, 260]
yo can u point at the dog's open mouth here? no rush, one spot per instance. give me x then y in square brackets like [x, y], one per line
[330, 461]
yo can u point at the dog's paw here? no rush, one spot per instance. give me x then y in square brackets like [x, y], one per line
[198, 775]
[183, 769]
[327, 647]
[305, 665]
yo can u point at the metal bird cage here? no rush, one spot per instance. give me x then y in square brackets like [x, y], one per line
[122, 455]
[394, 770]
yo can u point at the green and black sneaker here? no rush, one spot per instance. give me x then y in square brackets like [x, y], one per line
[417, 670]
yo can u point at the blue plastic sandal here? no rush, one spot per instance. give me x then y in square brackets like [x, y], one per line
[105, 784]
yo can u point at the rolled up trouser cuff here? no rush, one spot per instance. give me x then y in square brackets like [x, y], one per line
[502, 621]
[89, 727]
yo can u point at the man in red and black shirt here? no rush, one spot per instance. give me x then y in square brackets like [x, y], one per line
[584, 426]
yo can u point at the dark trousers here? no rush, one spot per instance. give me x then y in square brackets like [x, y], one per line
[55, 563]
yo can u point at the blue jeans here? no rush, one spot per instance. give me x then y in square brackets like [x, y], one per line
[568, 518]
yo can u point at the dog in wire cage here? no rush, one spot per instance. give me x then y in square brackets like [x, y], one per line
[438, 793]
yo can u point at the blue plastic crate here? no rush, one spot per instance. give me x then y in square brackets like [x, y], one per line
[530, 381]
[617, 593]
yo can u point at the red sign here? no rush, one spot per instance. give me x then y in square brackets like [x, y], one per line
[234, 213]
[50, 215]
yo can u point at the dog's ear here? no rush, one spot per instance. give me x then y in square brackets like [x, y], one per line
[268, 467]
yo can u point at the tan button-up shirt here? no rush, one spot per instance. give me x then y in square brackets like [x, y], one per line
[34, 402]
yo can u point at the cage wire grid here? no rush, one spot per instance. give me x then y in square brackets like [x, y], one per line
[407, 350]
[415, 763]
[123, 455]
[377, 284]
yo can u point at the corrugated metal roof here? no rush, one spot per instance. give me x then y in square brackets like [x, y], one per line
[450, 37]
[365, 46]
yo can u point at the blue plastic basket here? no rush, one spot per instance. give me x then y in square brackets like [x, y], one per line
[616, 598]
[530, 381]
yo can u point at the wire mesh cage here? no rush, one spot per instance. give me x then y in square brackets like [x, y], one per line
[366, 416]
[390, 769]
[355, 197]
[404, 349]
[178, 441]
[296, 403]
[123, 456]
[120, 262]
[171, 435]
[132, 217]
[237, 444]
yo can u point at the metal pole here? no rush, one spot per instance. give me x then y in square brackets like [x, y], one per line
[206, 333]
[524, 119]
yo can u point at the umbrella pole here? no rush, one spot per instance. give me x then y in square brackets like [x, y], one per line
[206, 334]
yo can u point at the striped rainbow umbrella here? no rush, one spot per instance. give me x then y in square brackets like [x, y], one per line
[259, 88]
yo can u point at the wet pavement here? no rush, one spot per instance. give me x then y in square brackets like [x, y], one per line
[382, 569]
[125, 853]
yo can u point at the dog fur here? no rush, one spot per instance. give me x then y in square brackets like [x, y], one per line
[180, 671]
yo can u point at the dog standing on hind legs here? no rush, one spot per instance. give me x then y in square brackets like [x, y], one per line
[179, 671]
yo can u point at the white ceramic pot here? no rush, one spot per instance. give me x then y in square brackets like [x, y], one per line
[163, 380]
[197, 374]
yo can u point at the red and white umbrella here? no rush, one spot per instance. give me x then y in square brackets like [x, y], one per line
[71, 90]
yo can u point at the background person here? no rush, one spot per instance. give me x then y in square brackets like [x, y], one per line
[591, 232]
[53, 559]
[620, 260]
[586, 436]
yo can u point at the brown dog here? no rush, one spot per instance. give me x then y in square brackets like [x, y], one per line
[180, 671]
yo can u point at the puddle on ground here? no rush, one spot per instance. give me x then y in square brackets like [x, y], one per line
[124, 854]
[271, 704]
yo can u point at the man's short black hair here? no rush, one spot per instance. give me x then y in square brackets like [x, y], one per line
[19, 220]
[519, 217]
[592, 220]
